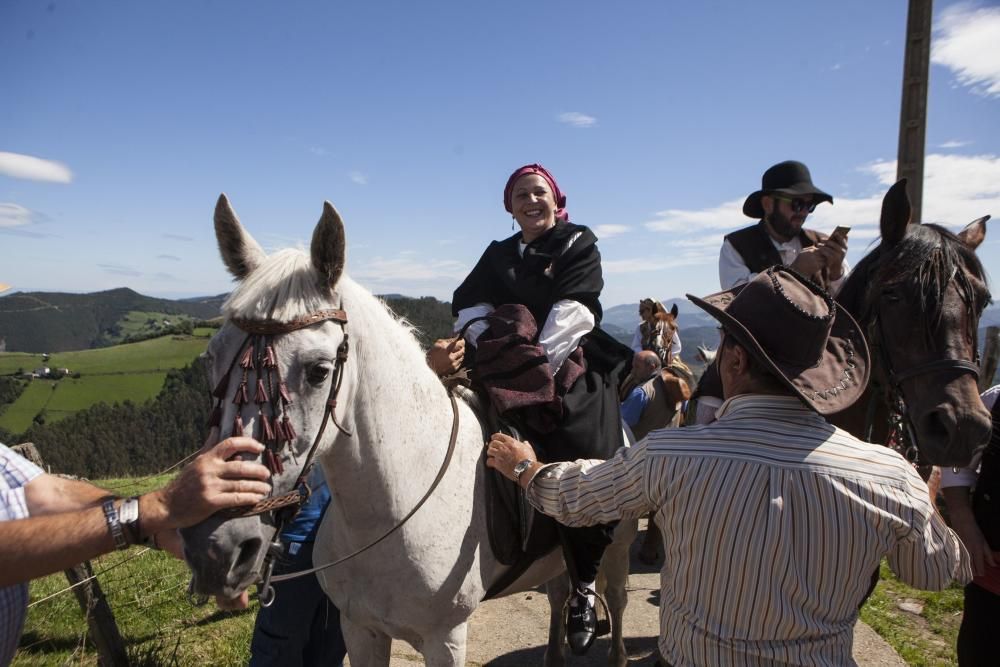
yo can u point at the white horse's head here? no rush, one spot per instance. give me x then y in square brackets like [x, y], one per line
[267, 377]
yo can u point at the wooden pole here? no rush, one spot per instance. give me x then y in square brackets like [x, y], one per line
[103, 630]
[991, 354]
[913, 111]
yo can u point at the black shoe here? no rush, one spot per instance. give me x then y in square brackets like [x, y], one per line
[581, 624]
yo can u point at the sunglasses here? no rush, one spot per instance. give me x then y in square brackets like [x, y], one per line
[798, 205]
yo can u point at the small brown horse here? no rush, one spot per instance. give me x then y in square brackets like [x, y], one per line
[918, 296]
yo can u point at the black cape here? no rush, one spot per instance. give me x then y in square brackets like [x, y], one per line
[557, 267]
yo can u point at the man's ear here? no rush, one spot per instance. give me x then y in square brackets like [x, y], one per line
[767, 203]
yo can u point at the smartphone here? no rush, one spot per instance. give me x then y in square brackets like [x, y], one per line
[841, 232]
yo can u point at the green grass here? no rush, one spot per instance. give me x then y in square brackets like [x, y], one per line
[137, 321]
[146, 592]
[110, 375]
[927, 639]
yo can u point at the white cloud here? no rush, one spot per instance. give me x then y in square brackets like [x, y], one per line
[576, 119]
[835, 67]
[34, 168]
[610, 231]
[13, 215]
[388, 271]
[965, 41]
[318, 150]
[358, 177]
[954, 143]
[728, 215]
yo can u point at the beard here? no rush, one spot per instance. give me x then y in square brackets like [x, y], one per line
[785, 227]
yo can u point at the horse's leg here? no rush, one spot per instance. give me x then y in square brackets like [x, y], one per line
[649, 554]
[557, 590]
[614, 581]
[446, 649]
[365, 647]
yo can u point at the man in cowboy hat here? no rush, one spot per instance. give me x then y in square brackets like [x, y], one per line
[786, 197]
[773, 520]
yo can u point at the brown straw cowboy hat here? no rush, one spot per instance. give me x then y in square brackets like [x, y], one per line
[799, 334]
[789, 178]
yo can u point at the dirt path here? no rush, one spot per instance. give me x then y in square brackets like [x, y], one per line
[511, 632]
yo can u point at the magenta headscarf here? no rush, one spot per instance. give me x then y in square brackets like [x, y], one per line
[561, 212]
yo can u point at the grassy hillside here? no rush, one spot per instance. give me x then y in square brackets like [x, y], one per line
[133, 372]
[56, 321]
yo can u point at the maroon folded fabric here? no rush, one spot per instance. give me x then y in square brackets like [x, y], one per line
[515, 372]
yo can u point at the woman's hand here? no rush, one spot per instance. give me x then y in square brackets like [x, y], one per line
[446, 355]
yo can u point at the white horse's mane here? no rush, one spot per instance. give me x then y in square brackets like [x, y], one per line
[286, 286]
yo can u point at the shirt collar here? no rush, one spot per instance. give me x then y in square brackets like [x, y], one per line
[746, 403]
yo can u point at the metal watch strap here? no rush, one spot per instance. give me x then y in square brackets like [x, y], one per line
[114, 525]
[128, 517]
[520, 467]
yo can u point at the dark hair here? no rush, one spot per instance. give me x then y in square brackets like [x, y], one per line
[761, 375]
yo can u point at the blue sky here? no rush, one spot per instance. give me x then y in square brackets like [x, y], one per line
[122, 122]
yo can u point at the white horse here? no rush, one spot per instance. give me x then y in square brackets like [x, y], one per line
[421, 583]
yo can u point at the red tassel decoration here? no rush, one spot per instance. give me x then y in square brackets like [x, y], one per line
[279, 436]
[290, 433]
[238, 425]
[220, 389]
[215, 418]
[246, 361]
[241, 397]
[270, 461]
[261, 396]
[270, 359]
[283, 390]
[265, 425]
[278, 464]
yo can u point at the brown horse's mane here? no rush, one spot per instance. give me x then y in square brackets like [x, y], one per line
[926, 258]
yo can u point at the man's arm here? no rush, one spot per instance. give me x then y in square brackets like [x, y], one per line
[633, 406]
[733, 270]
[579, 493]
[958, 500]
[931, 556]
[42, 545]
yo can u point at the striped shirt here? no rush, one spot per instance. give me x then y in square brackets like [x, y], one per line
[773, 522]
[15, 473]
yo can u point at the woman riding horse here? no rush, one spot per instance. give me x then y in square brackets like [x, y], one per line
[552, 268]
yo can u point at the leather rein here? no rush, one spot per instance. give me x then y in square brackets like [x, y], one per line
[285, 506]
[902, 437]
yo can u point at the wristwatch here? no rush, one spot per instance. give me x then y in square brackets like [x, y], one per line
[521, 467]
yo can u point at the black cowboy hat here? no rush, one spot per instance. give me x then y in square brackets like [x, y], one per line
[799, 334]
[789, 178]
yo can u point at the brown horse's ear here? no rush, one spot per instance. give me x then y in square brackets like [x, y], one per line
[327, 247]
[896, 212]
[674, 310]
[974, 232]
[241, 253]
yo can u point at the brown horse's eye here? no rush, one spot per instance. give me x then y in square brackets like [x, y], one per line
[317, 374]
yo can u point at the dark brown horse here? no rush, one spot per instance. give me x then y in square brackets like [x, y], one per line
[918, 296]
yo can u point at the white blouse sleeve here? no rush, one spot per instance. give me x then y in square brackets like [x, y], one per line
[476, 330]
[567, 323]
[637, 339]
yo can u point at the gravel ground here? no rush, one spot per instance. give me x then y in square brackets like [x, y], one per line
[512, 631]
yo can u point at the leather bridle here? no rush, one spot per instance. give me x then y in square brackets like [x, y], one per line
[273, 434]
[902, 436]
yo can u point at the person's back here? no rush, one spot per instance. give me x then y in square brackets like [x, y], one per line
[795, 514]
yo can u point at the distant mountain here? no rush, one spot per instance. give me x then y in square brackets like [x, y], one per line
[57, 321]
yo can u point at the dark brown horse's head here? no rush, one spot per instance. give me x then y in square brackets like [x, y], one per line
[919, 295]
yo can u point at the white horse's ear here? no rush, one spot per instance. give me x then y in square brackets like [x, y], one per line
[974, 232]
[241, 253]
[896, 213]
[327, 247]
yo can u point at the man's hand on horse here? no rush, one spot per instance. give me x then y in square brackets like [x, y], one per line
[446, 355]
[504, 453]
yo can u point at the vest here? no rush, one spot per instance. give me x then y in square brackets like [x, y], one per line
[659, 411]
[986, 498]
[754, 245]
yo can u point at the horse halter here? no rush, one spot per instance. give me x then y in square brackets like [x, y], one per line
[274, 430]
[902, 436]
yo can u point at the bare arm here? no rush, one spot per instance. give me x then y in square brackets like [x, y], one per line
[41, 545]
[964, 523]
[51, 494]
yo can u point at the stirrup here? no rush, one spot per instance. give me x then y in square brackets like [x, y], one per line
[603, 626]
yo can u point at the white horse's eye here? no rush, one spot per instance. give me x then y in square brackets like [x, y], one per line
[316, 374]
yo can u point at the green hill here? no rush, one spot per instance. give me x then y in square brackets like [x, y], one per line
[56, 321]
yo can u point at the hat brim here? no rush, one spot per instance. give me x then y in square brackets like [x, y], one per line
[833, 384]
[752, 207]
